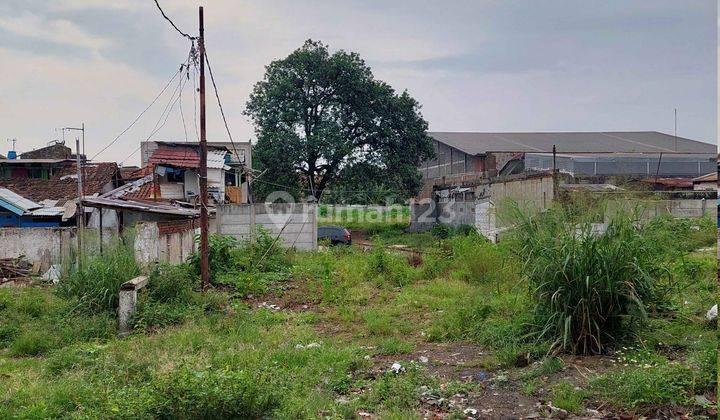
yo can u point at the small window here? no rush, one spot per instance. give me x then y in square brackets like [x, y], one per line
[177, 175]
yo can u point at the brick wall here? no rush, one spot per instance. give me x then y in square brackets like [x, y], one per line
[177, 226]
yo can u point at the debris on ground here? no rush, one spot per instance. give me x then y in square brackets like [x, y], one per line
[397, 368]
[270, 306]
[711, 315]
[52, 275]
[14, 267]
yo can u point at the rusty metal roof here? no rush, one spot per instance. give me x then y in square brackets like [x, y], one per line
[142, 207]
[711, 177]
[179, 156]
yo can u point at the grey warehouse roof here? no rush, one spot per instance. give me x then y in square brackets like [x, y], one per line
[572, 142]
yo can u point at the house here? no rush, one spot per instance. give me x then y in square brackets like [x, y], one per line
[175, 167]
[33, 168]
[18, 211]
[61, 190]
[240, 160]
[56, 150]
[708, 182]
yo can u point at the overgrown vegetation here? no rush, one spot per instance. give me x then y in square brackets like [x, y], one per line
[307, 334]
[589, 288]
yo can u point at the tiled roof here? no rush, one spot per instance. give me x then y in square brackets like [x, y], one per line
[176, 156]
[187, 156]
[64, 185]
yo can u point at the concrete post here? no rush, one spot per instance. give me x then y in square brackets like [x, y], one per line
[128, 302]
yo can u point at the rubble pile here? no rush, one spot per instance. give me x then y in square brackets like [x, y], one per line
[11, 268]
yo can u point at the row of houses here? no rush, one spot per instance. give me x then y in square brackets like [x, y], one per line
[40, 188]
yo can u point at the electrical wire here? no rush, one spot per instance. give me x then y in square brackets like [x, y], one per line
[173, 23]
[217, 96]
[139, 115]
[162, 120]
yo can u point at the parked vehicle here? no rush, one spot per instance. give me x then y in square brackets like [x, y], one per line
[336, 235]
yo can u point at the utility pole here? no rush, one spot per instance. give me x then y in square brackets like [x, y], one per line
[80, 208]
[554, 172]
[204, 263]
[77, 149]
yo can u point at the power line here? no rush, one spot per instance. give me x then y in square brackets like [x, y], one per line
[163, 118]
[217, 96]
[173, 24]
[139, 115]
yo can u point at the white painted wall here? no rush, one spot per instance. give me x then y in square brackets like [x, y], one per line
[295, 223]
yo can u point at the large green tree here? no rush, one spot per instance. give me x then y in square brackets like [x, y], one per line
[320, 117]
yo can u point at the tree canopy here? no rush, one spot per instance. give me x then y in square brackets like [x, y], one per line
[323, 119]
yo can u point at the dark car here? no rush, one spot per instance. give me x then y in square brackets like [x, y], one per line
[335, 234]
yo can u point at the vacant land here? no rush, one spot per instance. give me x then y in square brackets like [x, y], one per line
[461, 328]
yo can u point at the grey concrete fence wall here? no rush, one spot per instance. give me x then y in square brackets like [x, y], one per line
[295, 223]
[42, 247]
[152, 243]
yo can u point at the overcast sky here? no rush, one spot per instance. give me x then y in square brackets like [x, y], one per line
[474, 65]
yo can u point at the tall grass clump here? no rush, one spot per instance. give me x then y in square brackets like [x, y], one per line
[248, 264]
[96, 281]
[475, 259]
[588, 288]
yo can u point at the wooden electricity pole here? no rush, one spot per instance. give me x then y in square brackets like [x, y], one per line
[204, 263]
[80, 208]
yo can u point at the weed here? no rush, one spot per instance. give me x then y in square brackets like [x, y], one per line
[96, 282]
[565, 396]
[588, 288]
[391, 346]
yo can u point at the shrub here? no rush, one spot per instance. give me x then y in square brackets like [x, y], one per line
[172, 283]
[97, 281]
[441, 231]
[263, 253]
[466, 230]
[475, 259]
[213, 394]
[565, 396]
[220, 255]
[389, 268]
[588, 288]
[31, 342]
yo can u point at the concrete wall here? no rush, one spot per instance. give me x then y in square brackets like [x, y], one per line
[299, 222]
[171, 242]
[456, 213]
[41, 246]
[681, 208]
[534, 193]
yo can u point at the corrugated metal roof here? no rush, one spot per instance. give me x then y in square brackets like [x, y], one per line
[711, 177]
[48, 211]
[144, 207]
[15, 202]
[216, 159]
[572, 142]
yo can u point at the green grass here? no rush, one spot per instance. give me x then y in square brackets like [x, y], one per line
[565, 396]
[210, 355]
